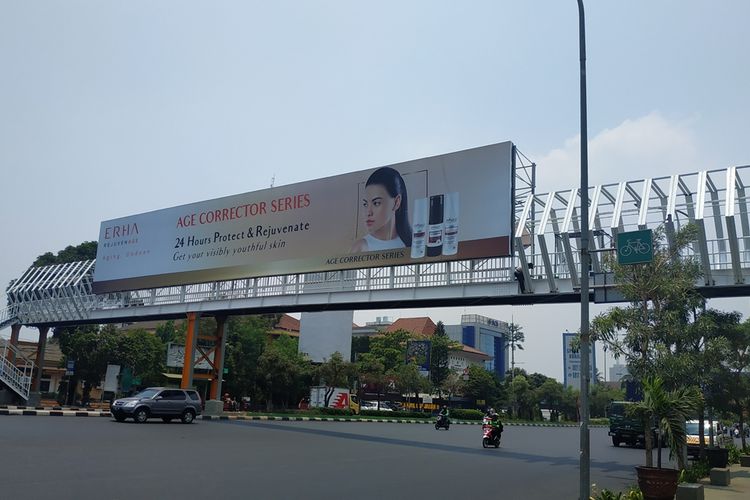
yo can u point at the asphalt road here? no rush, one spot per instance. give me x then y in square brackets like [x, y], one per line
[93, 458]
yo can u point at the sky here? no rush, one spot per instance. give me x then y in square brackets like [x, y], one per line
[115, 108]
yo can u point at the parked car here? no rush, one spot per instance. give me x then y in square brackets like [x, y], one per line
[721, 438]
[165, 403]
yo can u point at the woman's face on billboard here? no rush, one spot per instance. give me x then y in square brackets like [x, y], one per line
[378, 212]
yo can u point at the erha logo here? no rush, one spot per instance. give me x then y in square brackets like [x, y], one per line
[120, 231]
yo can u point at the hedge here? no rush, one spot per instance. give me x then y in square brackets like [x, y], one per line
[463, 414]
[394, 414]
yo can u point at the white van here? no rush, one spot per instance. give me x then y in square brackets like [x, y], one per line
[721, 437]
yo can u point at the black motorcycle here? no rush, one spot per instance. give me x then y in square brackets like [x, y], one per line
[442, 421]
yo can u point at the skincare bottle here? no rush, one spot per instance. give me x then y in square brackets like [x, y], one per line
[435, 229]
[450, 229]
[419, 228]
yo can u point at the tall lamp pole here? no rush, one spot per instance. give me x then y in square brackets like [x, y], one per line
[585, 458]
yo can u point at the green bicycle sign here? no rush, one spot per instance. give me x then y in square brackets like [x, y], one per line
[635, 247]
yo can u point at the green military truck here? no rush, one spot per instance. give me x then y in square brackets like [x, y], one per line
[623, 428]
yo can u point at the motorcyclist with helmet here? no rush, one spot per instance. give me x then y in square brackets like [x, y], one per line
[497, 425]
[443, 419]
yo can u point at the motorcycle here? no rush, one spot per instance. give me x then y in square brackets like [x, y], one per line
[489, 436]
[442, 421]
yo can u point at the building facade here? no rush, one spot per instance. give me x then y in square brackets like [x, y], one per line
[486, 335]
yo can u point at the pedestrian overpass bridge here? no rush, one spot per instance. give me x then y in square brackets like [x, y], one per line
[547, 235]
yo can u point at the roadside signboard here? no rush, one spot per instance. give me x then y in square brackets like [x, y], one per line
[334, 223]
[635, 247]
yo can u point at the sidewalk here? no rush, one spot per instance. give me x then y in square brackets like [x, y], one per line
[739, 486]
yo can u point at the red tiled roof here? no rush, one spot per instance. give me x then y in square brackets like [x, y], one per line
[421, 326]
[471, 350]
[288, 323]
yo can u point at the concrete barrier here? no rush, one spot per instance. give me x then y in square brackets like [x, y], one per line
[720, 476]
[690, 491]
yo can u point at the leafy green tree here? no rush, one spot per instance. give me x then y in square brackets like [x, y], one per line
[441, 346]
[246, 340]
[334, 372]
[92, 348]
[669, 409]
[144, 352]
[372, 374]
[550, 395]
[409, 380]
[285, 372]
[524, 398]
[83, 251]
[167, 332]
[453, 384]
[662, 297]
[514, 340]
[601, 396]
[390, 348]
[482, 385]
[360, 345]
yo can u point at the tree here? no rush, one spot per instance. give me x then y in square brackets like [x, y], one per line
[661, 296]
[334, 372]
[144, 352]
[440, 356]
[92, 348]
[601, 396]
[372, 374]
[453, 384]
[390, 348]
[246, 340]
[515, 340]
[409, 380]
[550, 395]
[481, 385]
[669, 409]
[83, 251]
[285, 372]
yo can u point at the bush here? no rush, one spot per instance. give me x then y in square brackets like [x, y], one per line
[632, 494]
[734, 454]
[599, 421]
[695, 472]
[462, 414]
[394, 414]
[336, 411]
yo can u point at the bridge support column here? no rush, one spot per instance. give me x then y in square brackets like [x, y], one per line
[15, 331]
[219, 348]
[191, 337]
[34, 394]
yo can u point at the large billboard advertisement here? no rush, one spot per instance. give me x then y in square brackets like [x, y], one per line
[572, 361]
[449, 207]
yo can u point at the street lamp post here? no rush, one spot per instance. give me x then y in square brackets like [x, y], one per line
[585, 483]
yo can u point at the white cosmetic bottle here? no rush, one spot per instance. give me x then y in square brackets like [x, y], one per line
[419, 228]
[450, 224]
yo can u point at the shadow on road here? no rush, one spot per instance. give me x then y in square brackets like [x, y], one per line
[490, 453]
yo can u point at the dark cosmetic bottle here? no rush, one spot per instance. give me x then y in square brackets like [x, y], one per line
[435, 228]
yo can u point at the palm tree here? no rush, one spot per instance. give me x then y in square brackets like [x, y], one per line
[668, 410]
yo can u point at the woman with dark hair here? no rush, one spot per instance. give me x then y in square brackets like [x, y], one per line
[384, 213]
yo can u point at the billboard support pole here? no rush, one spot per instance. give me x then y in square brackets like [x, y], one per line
[585, 483]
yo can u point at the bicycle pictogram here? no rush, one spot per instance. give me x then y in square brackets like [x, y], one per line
[635, 247]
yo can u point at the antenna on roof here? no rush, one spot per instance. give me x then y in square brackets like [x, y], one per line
[273, 179]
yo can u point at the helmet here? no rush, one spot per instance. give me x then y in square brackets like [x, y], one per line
[444, 407]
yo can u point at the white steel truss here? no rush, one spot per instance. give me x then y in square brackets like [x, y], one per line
[547, 235]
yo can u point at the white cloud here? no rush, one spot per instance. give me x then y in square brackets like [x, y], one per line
[649, 146]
